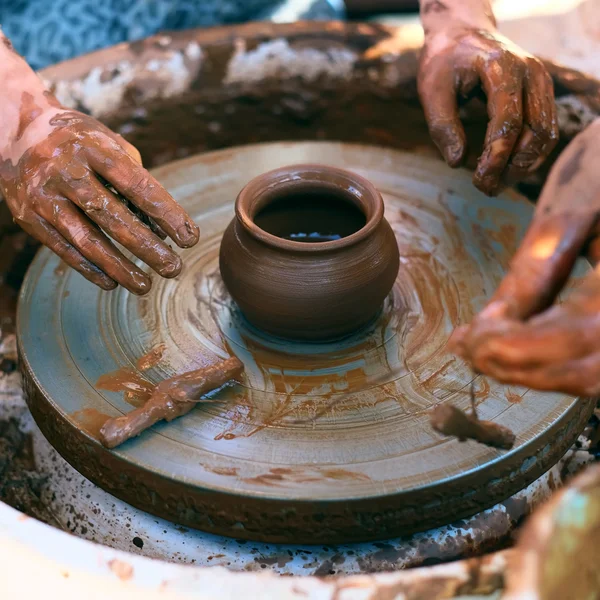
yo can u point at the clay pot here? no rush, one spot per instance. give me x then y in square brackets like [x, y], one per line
[326, 286]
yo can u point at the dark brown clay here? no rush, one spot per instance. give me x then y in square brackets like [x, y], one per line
[309, 290]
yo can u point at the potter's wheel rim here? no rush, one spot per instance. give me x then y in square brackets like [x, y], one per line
[100, 463]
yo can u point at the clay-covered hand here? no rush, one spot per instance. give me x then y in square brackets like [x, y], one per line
[463, 54]
[524, 336]
[52, 175]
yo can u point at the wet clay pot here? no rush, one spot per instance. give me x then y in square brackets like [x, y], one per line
[309, 255]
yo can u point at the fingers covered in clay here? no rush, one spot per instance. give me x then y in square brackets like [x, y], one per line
[86, 184]
[558, 350]
[564, 227]
[522, 128]
[44, 233]
[541, 266]
[81, 233]
[539, 135]
[137, 185]
[525, 336]
[438, 92]
[113, 217]
[502, 82]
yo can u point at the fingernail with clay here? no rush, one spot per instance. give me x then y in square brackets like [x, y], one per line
[453, 154]
[107, 284]
[171, 268]
[489, 184]
[523, 160]
[142, 284]
[188, 234]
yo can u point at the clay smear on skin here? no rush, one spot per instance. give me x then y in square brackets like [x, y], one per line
[29, 112]
[66, 145]
[7, 42]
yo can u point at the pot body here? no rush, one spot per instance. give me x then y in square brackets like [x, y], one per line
[316, 294]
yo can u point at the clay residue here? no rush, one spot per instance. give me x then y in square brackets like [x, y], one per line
[60, 269]
[279, 559]
[227, 471]
[7, 43]
[484, 391]
[344, 474]
[151, 358]
[51, 99]
[302, 475]
[170, 399]
[451, 421]
[90, 420]
[329, 566]
[512, 397]
[136, 388]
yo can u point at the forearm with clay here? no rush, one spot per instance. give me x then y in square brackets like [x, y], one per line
[464, 53]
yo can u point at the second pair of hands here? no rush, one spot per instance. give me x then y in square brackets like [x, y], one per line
[524, 336]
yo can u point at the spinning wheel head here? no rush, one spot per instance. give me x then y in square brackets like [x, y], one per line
[321, 442]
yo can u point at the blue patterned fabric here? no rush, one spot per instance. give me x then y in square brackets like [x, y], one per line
[49, 31]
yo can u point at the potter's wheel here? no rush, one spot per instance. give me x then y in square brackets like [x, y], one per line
[370, 466]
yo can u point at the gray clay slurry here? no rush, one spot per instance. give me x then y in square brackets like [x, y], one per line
[245, 465]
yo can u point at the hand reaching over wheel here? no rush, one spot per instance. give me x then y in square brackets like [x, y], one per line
[73, 184]
[524, 336]
[464, 54]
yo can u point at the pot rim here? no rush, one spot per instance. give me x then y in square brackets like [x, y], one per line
[263, 189]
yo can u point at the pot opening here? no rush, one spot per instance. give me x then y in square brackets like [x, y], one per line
[311, 216]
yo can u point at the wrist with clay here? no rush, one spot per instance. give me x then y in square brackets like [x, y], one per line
[27, 106]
